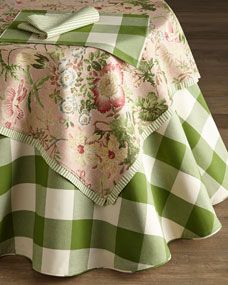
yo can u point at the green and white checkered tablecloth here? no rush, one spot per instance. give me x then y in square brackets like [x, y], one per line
[123, 35]
[44, 217]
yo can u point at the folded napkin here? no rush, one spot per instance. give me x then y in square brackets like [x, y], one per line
[122, 35]
[54, 24]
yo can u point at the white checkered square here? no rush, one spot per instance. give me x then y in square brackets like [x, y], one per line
[109, 213]
[186, 187]
[19, 149]
[148, 164]
[109, 20]
[100, 258]
[183, 103]
[100, 38]
[171, 230]
[220, 195]
[198, 117]
[153, 226]
[24, 246]
[210, 132]
[173, 130]
[5, 157]
[59, 204]
[23, 197]
[55, 261]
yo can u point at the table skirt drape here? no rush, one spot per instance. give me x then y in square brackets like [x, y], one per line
[48, 220]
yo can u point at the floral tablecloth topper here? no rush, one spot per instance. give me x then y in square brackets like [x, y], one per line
[87, 111]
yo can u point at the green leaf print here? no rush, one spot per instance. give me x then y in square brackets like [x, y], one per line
[96, 65]
[124, 132]
[36, 86]
[146, 71]
[96, 60]
[145, 4]
[56, 96]
[8, 69]
[41, 61]
[151, 107]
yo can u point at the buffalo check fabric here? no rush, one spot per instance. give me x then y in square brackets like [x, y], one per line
[114, 33]
[45, 218]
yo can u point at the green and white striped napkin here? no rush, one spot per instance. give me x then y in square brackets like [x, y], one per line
[54, 24]
[123, 35]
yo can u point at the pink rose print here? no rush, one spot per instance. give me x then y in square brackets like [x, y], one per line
[80, 149]
[8, 124]
[108, 91]
[13, 100]
[111, 154]
[170, 34]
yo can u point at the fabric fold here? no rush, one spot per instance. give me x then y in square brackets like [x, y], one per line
[53, 24]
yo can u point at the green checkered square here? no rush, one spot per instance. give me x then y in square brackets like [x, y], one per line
[5, 178]
[127, 241]
[6, 228]
[23, 222]
[177, 210]
[53, 234]
[42, 170]
[81, 233]
[125, 264]
[7, 246]
[131, 192]
[200, 221]
[18, 170]
[38, 235]
[192, 135]
[5, 204]
[217, 168]
[174, 155]
[160, 196]
[154, 250]
[37, 257]
[103, 236]
[152, 143]
[132, 216]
